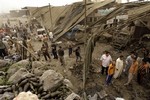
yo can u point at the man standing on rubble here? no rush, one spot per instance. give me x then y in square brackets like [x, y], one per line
[11, 51]
[77, 53]
[105, 61]
[119, 67]
[3, 48]
[61, 56]
[142, 71]
[54, 50]
[132, 70]
[44, 50]
[128, 62]
[70, 49]
[145, 52]
[45, 40]
[30, 47]
[51, 36]
[111, 71]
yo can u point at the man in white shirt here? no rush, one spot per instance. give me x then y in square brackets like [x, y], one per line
[51, 36]
[105, 61]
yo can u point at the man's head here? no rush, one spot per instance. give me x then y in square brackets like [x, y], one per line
[121, 57]
[144, 61]
[29, 38]
[134, 59]
[60, 47]
[113, 62]
[107, 53]
[132, 54]
[11, 47]
[78, 47]
[144, 48]
[43, 45]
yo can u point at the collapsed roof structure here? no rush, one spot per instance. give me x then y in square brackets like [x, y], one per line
[64, 17]
[61, 19]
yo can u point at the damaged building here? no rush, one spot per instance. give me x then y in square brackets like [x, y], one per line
[65, 63]
[65, 19]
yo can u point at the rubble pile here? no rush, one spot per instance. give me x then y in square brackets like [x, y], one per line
[121, 26]
[77, 70]
[57, 90]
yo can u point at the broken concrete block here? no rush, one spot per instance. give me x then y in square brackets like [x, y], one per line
[7, 96]
[18, 75]
[51, 80]
[93, 98]
[15, 67]
[68, 83]
[3, 63]
[73, 96]
[102, 94]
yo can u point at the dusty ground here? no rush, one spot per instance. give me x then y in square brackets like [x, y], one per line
[96, 81]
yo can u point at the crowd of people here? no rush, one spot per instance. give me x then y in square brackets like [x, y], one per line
[133, 66]
[12, 47]
[57, 52]
[13, 39]
[17, 41]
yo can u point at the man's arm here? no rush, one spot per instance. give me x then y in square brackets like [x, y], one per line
[101, 60]
[117, 64]
[135, 68]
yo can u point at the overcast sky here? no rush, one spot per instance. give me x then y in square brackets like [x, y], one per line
[6, 5]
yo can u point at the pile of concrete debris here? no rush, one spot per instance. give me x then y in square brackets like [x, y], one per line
[49, 85]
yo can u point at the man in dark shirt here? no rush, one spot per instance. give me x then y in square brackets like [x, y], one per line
[3, 52]
[44, 50]
[145, 54]
[70, 50]
[77, 53]
[61, 55]
[54, 51]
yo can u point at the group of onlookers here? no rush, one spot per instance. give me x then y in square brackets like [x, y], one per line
[132, 66]
[12, 46]
[57, 52]
[10, 49]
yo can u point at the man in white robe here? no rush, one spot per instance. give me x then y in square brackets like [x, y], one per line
[119, 67]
